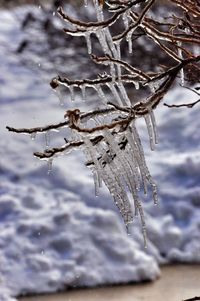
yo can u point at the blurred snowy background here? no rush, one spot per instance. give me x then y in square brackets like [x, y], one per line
[54, 232]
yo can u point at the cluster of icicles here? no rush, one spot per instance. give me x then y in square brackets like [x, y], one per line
[118, 159]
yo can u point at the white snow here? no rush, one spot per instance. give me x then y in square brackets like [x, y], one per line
[54, 232]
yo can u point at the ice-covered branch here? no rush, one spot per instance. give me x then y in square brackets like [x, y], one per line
[108, 136]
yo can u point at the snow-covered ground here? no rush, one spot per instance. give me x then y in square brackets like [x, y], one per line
[54, 232]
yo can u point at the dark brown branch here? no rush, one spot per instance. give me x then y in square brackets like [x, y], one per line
[187, 105]
[106, 59]
[192, 299]
[136, 23]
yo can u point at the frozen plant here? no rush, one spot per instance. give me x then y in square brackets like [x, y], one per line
[113, 147]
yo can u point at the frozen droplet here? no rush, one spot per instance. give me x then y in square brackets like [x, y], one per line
[85, 3]
[54, 13]
[39, 6]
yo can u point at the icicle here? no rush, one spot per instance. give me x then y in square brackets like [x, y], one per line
[118, 50]
[71, 89]
[85, 3]
[144, 233]
[101, 94]
[91, 152]
[137, 85]
[155, 193]
[129, 40]
[111, 43]
[130, 152]
[83, 88]
[47, 139]
[150, 131]
[49, 163]
[180, 54]
[153, 121]
[112, 180]
[112, 71]
[60, 96]
[125, 19]
[123, 165]
[115, 93]
[88, 41]
[99, 10]
[101, 37]
[134, 141]
[124, 94]
[119, 73]
[143, 167]
[152, 87]
[96, 183]
[33, 136]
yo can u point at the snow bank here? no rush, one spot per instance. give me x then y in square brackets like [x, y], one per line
[54, 233]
